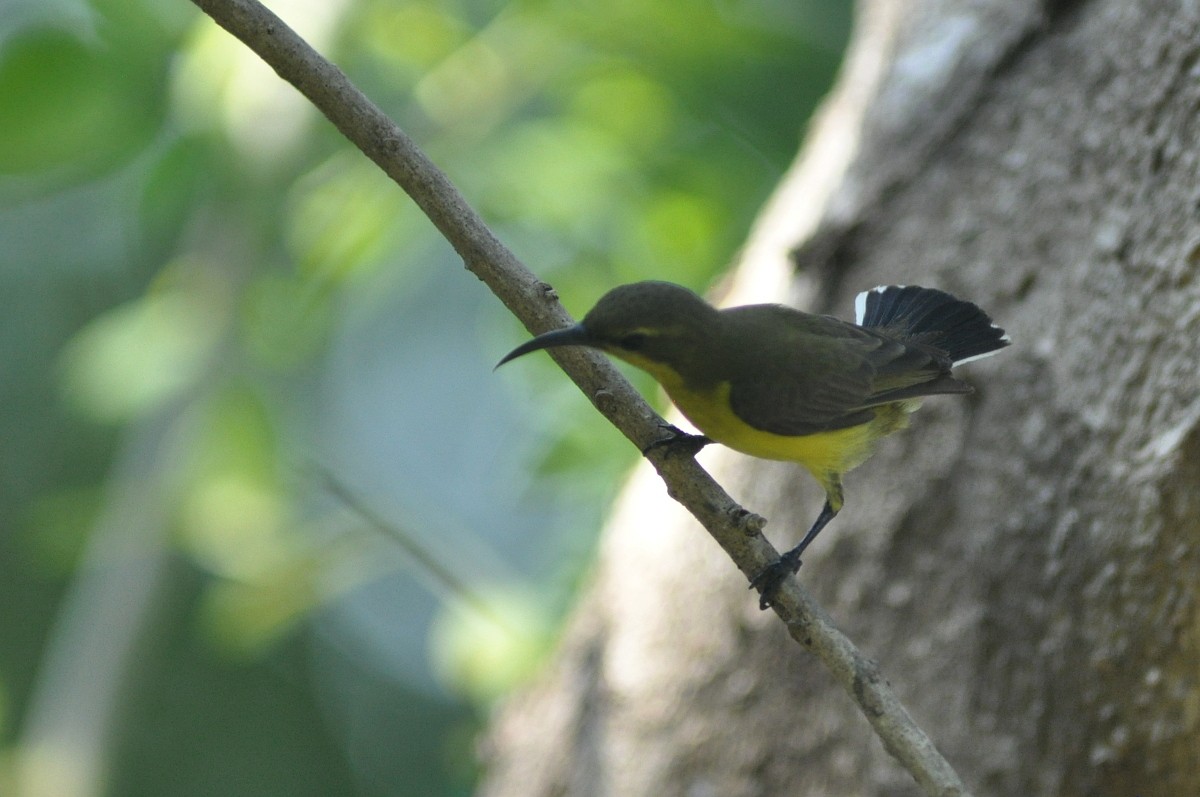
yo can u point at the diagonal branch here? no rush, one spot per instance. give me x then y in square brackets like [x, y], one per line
[536, 305]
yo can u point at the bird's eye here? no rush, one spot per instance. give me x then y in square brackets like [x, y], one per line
[632, 341]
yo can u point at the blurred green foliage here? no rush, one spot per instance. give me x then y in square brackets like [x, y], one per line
[208, 300]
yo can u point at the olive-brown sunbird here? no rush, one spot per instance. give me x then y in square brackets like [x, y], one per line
[777, 383]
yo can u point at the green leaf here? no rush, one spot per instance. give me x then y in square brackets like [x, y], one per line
[67, 104]
[138, 355]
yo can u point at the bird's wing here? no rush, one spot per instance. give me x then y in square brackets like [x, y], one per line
[792, 406]
[826, 374]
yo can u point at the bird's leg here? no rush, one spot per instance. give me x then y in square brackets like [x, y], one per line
[767, 581]
[678, 441]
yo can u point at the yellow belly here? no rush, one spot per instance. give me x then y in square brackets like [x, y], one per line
[837, 451]
[826, 455]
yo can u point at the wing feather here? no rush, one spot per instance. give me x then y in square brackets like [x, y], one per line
[817, 373]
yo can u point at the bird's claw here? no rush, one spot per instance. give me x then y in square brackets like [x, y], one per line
[678, 441]
[770, 577]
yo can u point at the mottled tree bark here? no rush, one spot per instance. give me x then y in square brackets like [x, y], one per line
[1024, 564]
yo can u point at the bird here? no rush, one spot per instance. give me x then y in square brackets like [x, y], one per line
[777, 383]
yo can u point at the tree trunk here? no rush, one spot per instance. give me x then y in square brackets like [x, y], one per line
[1023, 563]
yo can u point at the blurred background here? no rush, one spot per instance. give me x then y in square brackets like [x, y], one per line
[251, 444]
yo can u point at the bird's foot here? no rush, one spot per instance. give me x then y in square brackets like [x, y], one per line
[771, 576]
[677, 441]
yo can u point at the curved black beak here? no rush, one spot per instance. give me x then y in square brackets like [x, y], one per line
[568, 336]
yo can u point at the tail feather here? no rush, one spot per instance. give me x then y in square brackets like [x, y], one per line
[932, 317]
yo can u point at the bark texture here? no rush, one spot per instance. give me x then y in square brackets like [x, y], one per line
[1024, 564]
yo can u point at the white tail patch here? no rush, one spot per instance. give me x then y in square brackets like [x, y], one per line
[860, 301]
[1004, 341]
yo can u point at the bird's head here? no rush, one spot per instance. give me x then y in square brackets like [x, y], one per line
[657, 326]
